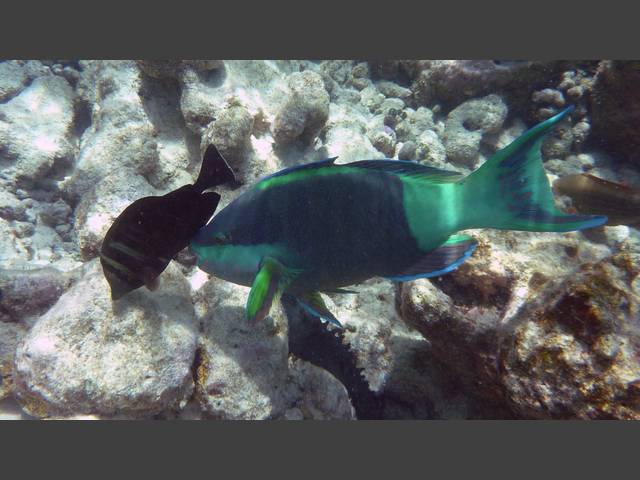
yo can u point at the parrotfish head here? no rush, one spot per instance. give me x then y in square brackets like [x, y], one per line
[219, 256]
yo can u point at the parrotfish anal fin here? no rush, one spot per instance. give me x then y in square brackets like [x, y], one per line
[409, 169]
[270, 281]
[443, 259]
[313, 304]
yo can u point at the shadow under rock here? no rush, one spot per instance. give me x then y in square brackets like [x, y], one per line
[250, 357]
[311, 340]
[419, 386]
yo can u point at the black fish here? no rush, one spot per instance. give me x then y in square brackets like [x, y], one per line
[152, 230]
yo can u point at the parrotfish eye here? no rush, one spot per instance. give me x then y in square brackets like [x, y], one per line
[221, 239]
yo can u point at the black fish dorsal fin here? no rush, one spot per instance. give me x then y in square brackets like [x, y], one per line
[214, 171]
[407, 168]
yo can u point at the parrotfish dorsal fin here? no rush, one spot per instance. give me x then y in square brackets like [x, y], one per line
[449, 256]
[313, 304]
[327, 162]
[270, 282]
[409, 169]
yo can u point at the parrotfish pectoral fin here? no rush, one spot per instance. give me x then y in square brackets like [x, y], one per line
[313, 304]
[511, 190]
[443, 259]
[271, 280]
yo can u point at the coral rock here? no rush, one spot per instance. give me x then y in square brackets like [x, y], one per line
[89, 355]
[243, 372]
[304, 112]
[10, 334]
[466, 125]
[615, 106]
[230, 132]
[575, 349]
[36, 130]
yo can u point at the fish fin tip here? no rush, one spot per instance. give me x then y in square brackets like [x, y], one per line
[515, 191]
[313, 304]
[268, 286]
[444, 259]
[215, 170]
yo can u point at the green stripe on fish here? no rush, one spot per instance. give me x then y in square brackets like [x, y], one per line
[323, 226]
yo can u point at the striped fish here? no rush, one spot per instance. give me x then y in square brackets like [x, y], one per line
[152, 230]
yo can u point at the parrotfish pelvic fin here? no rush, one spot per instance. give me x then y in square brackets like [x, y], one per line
[270, 282]
[313, 304]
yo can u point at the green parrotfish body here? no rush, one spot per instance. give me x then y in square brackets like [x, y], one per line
[322, 226]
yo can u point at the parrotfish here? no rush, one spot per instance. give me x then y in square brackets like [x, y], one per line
[593, 195]
[152, 230]
[322, 226]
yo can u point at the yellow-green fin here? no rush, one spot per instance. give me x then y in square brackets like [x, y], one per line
[270, 281]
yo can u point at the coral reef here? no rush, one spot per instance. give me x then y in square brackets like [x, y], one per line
[526, 335]
[27, 294]
[304, 112]
[243, 372]
[533, 325]
[615, 105]
[36, 129]
[468, 123]
[10, 335]
[87, 355]
[231, 132]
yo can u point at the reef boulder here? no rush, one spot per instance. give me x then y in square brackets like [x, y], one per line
[468, 123]
[243, 371]
[615, 106]
[305, 110]
[10, 335]
[36, 130]
[230, 132]
[531, 338]
[89, 355]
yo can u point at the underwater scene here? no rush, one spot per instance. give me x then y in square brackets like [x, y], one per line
[319, 239]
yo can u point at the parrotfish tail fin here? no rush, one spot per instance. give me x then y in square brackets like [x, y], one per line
[214, 171]
[270, 282]
[511, 190]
